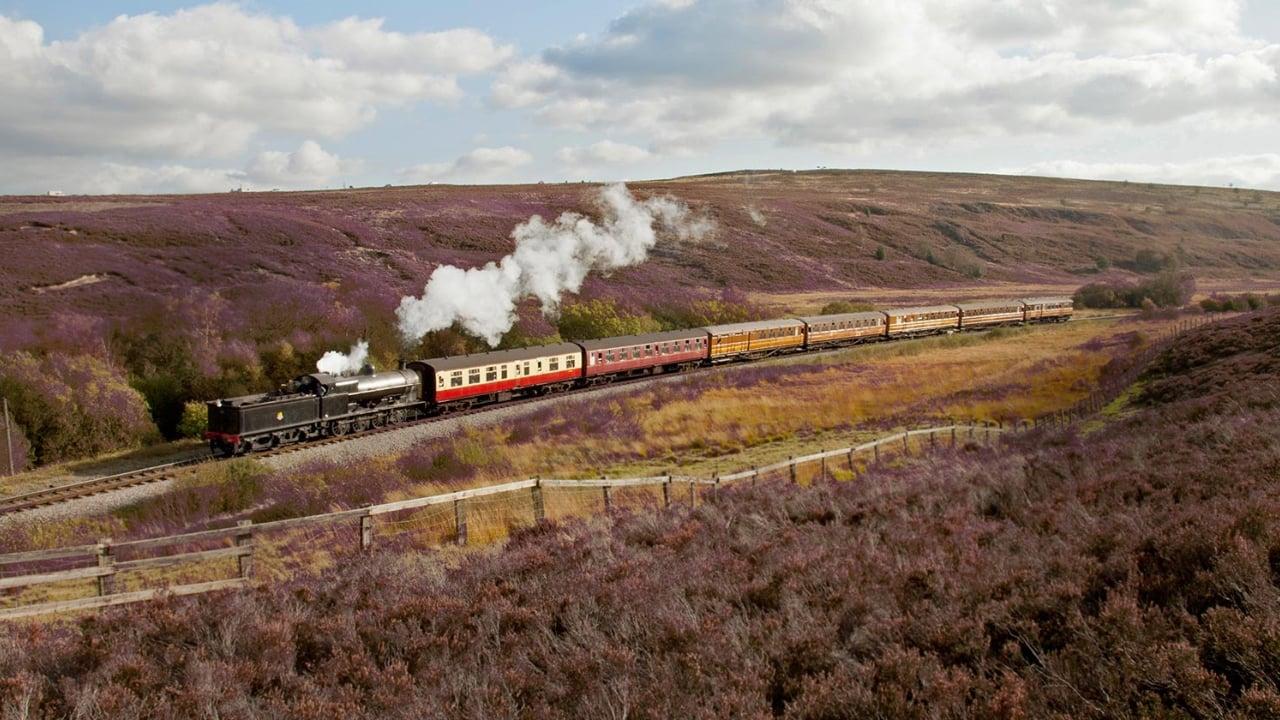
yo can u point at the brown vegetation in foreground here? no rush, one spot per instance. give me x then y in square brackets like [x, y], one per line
[1125, 573]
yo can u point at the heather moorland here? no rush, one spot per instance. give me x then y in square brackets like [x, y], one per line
[1123, 569]
[716, 421]
[145, 304]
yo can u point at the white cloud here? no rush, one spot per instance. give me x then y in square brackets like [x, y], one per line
[203, 82]
[481, 164]
[914, 73]
[308, 166]
[605, 152]
[1254, 171]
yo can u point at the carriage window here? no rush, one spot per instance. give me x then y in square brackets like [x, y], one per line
[504, 372]
[473, 375]
[610, 356]
[553, 364]
[440, 378]
[490, 374]
[526, 369]
[455, 379]
[539, 366]
[570, 362]
[648, 350]
[635, 353]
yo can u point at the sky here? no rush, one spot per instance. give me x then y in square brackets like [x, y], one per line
[141, 97]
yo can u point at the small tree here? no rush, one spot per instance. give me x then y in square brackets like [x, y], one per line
[195, 420]
[1102, 263]
[880, 253]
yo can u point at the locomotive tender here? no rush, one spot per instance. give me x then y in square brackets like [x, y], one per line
[322, 405]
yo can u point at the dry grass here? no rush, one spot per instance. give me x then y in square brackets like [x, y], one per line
[834, 401]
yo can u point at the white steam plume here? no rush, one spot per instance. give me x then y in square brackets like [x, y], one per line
[549, 260]
[337, 363]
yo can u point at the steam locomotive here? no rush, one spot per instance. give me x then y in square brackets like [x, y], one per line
[322, 405]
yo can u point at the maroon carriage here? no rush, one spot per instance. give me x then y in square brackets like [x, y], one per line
[615, 357]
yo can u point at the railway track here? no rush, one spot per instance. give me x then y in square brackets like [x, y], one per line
[67, 492]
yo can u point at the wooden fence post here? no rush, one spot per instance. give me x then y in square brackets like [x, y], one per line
[693, 495]
[460, 520]
[933, 438]
[755, 476]
[244, 539]
[715, 485]
[366, 531]
[666, 493]
[792, 468]
[608, 505]
[823, 471]
[953, 436]
[106, 583]
[539, 509]
[853, 469]
[876, 448]
[906, 450]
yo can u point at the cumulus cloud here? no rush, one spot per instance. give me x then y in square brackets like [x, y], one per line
[605, 152]
[145, 96]
[864, 74]
[1254, 171]
[481, 164]
[202, 82]
[308, 166]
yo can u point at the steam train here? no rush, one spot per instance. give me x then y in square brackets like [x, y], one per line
[322, 405]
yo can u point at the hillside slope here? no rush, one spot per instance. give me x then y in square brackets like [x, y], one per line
[1125, 573]
[145, 304]
[777, 232]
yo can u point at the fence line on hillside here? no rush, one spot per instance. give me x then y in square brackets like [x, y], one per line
[105, 561]
[1110, 389]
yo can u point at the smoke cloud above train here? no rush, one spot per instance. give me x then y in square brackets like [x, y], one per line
[549, 260]
[335, 362]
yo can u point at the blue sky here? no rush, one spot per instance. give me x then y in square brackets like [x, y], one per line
[190, 97]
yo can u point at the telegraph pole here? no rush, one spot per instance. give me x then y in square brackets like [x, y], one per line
[8, 435]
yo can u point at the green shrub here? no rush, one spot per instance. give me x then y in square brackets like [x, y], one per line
[601, 318]
[72, 406]
[195, 420]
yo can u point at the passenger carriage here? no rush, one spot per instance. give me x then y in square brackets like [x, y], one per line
[989, 313]
[479, 378]
[845, 328]
[1048, 309]
[923, 320]
[755, 339]
[611, 358]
